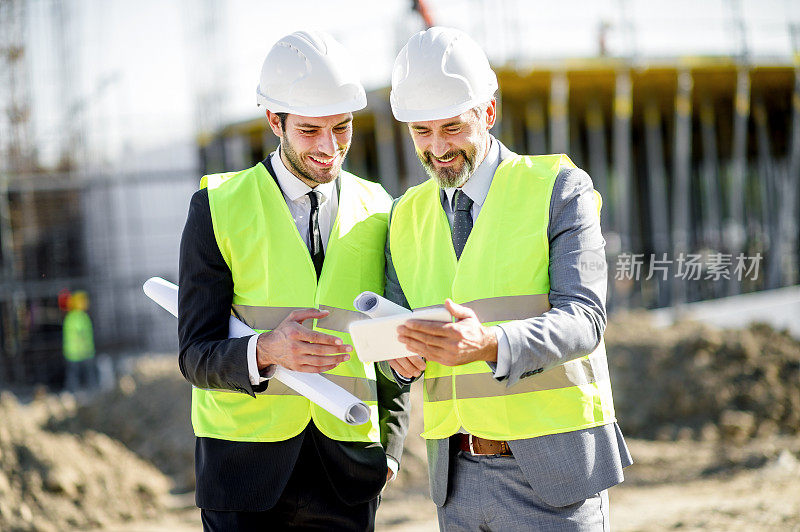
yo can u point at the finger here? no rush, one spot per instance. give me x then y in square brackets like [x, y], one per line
[458, 311]
[415, 346]
[306, 368]
[441, 356]
[437, 328]
[405, 371]
[316, 337]
[321, 360]
[426, 339]
[303, 314]
[417, 362]
[398, 366]
[429, 339]
[410, 365]
[308, 348]
[404, 367]
[437, 337]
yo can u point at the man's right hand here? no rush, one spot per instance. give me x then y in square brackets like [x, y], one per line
[299, 348]
[408, 367]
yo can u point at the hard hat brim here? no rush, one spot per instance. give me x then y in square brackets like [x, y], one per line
[360, 102]
[424, 115]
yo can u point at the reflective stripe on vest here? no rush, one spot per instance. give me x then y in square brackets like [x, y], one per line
[273, 275]
[506, 308]
[576, 372]
[503, 275]
[364, 389]
[268, 318]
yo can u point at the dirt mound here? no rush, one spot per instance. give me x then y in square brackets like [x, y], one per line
[57, 481]
[692, 381]
[149, 412]
[116, 456]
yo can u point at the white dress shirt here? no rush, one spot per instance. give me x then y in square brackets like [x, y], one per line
[477, 188]
[295, 193]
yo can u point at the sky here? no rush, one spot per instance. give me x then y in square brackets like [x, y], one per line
[132, 76]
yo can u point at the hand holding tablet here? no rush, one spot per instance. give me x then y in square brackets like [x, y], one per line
[376, 339]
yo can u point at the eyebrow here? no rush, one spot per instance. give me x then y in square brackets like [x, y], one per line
[443, 126]
[343, 122]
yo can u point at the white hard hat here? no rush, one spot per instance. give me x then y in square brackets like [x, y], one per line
[440, 73]
[310, 74]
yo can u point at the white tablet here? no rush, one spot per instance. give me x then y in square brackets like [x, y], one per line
[376, 339]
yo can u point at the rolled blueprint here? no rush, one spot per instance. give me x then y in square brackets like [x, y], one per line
[312, 386]
[376, 306]
[162, 292]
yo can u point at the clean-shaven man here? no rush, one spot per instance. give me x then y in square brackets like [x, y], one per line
[286, 246]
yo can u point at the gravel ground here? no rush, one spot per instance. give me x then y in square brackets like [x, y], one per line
[712, 419]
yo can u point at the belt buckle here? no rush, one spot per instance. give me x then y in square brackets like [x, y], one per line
[471, 445]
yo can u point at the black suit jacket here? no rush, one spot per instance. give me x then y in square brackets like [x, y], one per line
[245, 476]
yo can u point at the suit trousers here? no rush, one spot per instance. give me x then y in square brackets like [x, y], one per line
[309, 502]
[490, 493]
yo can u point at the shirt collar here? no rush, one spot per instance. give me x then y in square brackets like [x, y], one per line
[290, 184]
[477, 186]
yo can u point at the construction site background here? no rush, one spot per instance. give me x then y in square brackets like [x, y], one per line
[696, 156]
[712, 419]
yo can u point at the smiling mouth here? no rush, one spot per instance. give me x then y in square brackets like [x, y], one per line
[446, 159]
[324, 162]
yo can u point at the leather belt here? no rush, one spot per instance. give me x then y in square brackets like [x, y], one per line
[480, 446]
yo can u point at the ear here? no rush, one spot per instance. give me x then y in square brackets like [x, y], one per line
[274, 122]
[491, 113]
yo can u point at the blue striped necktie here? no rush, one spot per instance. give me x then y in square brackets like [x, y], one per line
[462, 221]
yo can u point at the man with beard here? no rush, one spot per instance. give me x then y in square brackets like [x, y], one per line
[519, 418]
[286, 246]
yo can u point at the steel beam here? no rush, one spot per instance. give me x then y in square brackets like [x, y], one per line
[735, 229]
[682, 168]
[559, 122]
[657, 194]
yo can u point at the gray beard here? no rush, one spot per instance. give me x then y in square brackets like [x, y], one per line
[448, 177]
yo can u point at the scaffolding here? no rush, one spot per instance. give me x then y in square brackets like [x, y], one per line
[62, 227]
[694, 157]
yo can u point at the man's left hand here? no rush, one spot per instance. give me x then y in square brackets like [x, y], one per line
[451, 344]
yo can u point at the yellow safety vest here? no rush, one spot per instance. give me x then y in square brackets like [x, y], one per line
[272, 275]
[78, 336]
[502, 275]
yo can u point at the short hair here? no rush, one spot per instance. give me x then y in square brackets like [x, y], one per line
[481, 107]
[282, 118]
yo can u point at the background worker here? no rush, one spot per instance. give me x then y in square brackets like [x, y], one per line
[519, 419]
[288, 244]
[78, 344]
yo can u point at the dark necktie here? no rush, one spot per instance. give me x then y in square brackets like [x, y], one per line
[462, 221]
[314, 234]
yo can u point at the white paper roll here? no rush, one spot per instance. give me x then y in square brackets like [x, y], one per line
[312, 386]
[237, 328]
[162, 292]
[376, 306]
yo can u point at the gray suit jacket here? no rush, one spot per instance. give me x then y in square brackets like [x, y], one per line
[568, 467]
